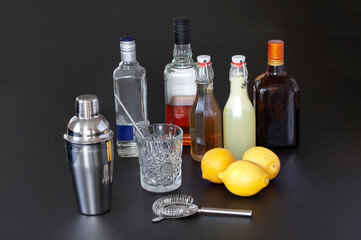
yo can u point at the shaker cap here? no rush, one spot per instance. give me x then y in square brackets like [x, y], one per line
[87, 126]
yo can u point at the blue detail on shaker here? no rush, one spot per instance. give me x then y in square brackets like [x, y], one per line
[125, 132]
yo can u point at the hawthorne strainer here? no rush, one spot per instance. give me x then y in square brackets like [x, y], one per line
[181, 205]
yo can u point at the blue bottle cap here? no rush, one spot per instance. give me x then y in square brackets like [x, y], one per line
[127, 39]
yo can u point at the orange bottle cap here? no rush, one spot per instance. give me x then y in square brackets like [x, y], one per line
[275, 50]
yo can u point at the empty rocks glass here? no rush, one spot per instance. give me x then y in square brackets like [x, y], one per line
[160, 157]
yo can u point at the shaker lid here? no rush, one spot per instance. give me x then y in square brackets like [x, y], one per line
[87, 126]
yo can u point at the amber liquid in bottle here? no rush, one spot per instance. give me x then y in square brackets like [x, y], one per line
[206, 121]
[178, 112]
[277, 107]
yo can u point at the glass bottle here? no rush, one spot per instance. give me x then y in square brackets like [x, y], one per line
[206, 116]
[131, 87]
[239, 128]
[179, 80]
[277, 102]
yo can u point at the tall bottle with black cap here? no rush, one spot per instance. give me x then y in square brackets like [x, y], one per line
[131, 87]
[206, 115]
[179, 80]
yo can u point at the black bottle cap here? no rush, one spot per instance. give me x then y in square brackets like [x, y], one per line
[181, 30]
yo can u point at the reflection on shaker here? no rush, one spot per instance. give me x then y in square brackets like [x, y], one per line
[106, 175]
[89, 152]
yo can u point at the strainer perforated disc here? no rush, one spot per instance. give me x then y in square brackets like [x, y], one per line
[181, 205]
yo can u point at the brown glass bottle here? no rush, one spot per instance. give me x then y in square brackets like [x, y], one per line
[277, 102]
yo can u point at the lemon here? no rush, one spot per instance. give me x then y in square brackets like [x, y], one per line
[244, 178]
[215, 161]
[264, 157]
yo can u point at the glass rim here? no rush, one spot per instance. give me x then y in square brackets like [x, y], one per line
[159, 124]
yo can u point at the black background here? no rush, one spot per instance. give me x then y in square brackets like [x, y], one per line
[53, 51]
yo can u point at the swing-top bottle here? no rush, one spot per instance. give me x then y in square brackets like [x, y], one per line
[206, 116]
[239, 130]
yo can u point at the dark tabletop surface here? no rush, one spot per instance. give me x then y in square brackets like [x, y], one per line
[53, 51]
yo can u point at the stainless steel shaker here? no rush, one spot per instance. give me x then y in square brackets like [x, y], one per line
[89, 153]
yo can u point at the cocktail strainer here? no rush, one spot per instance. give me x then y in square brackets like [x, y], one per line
[181, 205]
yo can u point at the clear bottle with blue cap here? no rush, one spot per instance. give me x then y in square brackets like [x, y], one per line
[206, 115]
[131, 87]
[239, 127]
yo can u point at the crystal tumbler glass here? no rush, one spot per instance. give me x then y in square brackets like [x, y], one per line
[160, 157]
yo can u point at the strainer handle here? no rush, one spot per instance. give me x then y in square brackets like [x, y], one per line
[234, 212]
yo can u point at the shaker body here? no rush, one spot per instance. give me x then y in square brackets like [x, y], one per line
[91, 170]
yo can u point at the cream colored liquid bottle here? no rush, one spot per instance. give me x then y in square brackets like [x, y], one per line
[239, 133]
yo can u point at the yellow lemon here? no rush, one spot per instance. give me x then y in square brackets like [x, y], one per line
[244, 178]
[215, 161]
[264, 157]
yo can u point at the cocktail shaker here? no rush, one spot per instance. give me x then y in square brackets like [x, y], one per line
[89, 153]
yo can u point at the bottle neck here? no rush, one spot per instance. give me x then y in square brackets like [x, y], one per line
[182, 54]
[238, 75]
[128, 56]
[204, 74]
[276, 67]
[204, 88]
[237, 85]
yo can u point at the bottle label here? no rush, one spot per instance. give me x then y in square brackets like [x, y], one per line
[125, 132]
